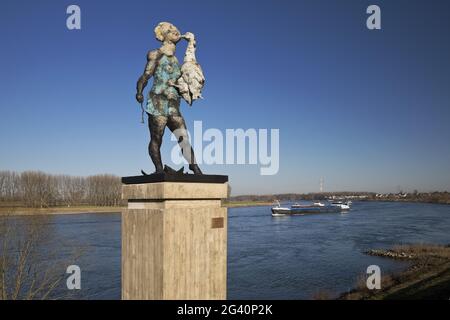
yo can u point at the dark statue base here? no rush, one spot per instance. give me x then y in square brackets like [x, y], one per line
[171, 175]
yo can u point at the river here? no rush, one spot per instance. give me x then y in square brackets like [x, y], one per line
[268, 257]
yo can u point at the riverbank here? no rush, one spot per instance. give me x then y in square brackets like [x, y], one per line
[430, 201]
[428, 277]
[25, 211]
[233, 204]
[437, 197]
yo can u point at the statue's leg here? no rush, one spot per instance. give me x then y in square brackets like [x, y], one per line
[177, 125]
[156, 125]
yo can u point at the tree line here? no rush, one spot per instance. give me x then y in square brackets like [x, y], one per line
[298, 196]
[442, 197]
[41, 190]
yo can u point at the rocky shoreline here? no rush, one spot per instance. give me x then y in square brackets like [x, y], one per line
[402, 255]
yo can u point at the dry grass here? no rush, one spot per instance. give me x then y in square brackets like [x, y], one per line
[57, 210]
[427, 277]
[322, 295]
[232, 204]
[419, 251]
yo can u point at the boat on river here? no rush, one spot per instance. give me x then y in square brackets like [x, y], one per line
[315, 204]
[296, 209]
[344, 206]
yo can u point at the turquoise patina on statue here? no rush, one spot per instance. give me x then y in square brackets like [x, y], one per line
[163, 99]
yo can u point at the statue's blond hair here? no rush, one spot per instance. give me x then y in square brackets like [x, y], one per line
[161, 30]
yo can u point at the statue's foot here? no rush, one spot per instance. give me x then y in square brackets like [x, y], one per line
[156, 172]
[195, 169]
[171, 171]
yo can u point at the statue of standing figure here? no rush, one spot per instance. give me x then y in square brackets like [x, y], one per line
[170, 83]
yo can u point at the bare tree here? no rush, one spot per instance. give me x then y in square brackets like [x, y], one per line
[77, 190]
[3, 185]
[9, 186]
[27, 269]
[38, 189]
[104, 190]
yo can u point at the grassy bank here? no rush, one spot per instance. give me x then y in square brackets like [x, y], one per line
[233, 204]
[19, 210]
[23, 211]
[428, 277]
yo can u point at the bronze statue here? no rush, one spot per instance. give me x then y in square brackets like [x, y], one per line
[170, 83]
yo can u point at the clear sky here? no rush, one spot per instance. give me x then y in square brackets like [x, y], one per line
[366, 110]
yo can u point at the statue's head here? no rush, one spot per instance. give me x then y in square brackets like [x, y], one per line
[166, 31]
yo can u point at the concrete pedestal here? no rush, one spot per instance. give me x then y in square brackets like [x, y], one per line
[174, 240]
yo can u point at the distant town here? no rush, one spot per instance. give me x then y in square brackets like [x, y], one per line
[442, 197]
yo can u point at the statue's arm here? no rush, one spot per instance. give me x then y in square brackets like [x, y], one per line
[152, 60]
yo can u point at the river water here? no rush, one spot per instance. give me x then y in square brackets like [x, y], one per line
[269, 257]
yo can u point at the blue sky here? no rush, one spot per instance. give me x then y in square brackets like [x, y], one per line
[366, 110]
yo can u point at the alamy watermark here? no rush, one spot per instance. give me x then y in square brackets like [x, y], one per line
[374, 279]
[73, 21]
[234, 146]
[373, 22]
[73, 282]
